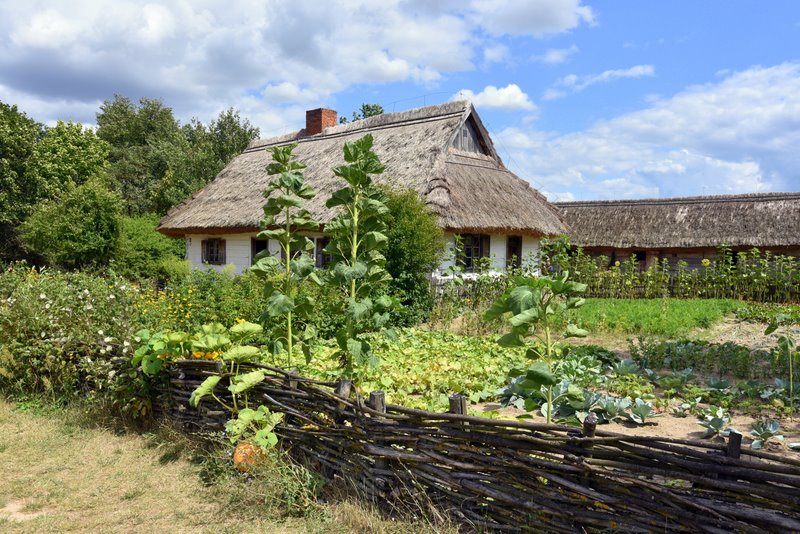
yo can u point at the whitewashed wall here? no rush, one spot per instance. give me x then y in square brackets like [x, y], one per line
[238, 251]
[497, 251]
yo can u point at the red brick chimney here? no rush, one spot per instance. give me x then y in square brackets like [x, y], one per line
[319, 119]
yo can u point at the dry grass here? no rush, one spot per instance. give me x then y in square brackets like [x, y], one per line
[63, 476]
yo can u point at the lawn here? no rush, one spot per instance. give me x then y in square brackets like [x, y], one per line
[60, 475]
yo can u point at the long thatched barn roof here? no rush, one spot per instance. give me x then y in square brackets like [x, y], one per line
[469, 191]
[754, 220]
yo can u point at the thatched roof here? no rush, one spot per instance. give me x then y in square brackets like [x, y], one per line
[469, 191]
[755, 220]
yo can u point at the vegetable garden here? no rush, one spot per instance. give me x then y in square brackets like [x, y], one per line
[287, 355]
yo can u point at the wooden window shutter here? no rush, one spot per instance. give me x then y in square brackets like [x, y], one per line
[484, 246]
[222, 252]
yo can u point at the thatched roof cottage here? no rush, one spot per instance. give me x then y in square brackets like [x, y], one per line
[442, 152]
[685, 228]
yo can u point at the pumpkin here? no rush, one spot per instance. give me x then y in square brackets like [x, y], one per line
[246, 455]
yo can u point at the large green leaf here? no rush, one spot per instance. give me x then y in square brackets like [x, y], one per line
[574, 331]
[279, 304]
[539, 372]
[246, 330]
[241, 353]
[245, 382]
[206, 388]
[527, 317]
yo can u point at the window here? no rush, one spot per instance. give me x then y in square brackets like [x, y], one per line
[514, 251]
[321, 259]
[213, 251]
[257, 246]
[473, 248]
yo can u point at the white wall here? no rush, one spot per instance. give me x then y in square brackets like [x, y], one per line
[238, 250]
[497, 251]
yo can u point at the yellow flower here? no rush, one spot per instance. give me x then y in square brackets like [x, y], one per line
[616, 263]
[706, 262]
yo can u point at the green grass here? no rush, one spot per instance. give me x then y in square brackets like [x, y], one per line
[658, 317]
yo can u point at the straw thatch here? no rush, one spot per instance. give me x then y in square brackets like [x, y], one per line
[761, 220]
[468, 191]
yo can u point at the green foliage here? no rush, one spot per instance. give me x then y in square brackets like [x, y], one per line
[155, 162]
[81, 228]
[415, 245]
[657, 317]
[765, 430]
[230, 134]
[532, 304]
[143, 253]
[67, 156]
[63, 335]
[18, 191]
[357, 241]
[286, 194]
[641, 410]
[746, 275]
[366, 110]
[786, 350]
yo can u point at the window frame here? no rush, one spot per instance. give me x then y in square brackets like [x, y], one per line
[216, 256]
[477, 242]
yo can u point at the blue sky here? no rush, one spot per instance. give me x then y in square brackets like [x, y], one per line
[585, 99]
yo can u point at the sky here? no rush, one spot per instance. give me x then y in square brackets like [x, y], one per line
[584, 99]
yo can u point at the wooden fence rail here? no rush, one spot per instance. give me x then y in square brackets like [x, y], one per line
[513, 476]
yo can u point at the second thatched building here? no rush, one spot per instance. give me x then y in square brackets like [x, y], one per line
[685, 228]
[442, 152]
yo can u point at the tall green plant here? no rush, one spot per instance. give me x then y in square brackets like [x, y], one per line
[787, 348]
[533, 304]
[284, 276]
[357, 240]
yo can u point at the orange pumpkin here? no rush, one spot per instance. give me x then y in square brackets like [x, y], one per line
[246, 455]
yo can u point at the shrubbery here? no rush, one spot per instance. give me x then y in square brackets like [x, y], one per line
[80, 228]
[144, 253]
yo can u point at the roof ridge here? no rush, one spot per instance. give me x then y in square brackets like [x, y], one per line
[376, 122]
[742, 197]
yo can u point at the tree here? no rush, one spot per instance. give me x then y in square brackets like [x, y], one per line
[79, 228]
[414, 250]
[18, 194]
[67, 156]
[134, 132]
[366, 110]
[230, 135]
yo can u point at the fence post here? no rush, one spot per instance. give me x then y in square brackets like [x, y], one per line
[734, 445]
[342, 390]
[377, 401]
[589, 428]
[290, 381]
[458, 406]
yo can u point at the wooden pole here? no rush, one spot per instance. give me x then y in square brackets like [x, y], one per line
[589, 428]
[377, 401]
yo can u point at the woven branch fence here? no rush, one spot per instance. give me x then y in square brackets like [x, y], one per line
[512, 476]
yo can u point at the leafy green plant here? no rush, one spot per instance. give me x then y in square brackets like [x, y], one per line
[533, 304]
[357, 241]
[764, 430]
[285, 196]
[256, 426]
[641, 410]
[787, 349]
[716, 422]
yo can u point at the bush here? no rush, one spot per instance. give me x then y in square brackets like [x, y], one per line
[416, 245]
[60, 330]
[81, 228]
[142, 252]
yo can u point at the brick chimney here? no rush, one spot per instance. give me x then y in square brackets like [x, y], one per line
[319, 119]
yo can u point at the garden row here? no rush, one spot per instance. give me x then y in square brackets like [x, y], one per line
[749, 275]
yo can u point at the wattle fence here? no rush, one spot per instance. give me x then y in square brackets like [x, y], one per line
[511, 476]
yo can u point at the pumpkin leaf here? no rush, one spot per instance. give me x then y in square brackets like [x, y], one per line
[206, 388]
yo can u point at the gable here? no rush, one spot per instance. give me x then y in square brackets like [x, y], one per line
[467, 139]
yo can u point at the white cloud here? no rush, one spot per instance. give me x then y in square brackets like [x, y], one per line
[204, 56]
[554, 56]
[575, 83]
[509, 97]
[735, 136]
[537, 18]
